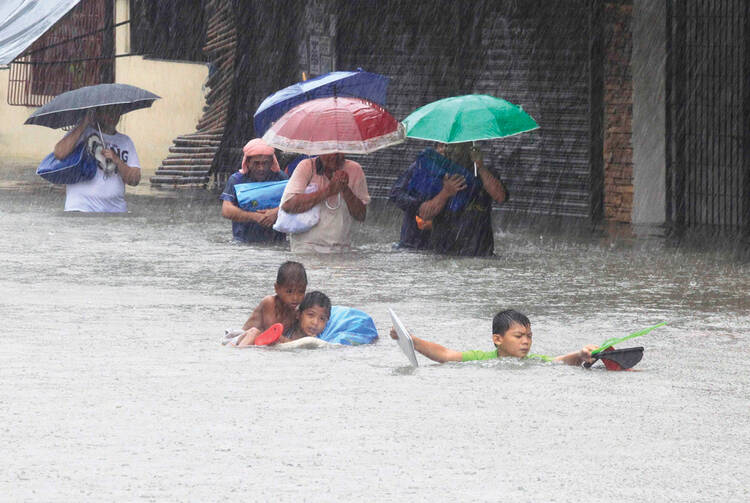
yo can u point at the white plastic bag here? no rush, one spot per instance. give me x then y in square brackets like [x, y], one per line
[294, 223]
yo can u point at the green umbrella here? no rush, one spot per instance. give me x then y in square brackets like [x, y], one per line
[467, 118]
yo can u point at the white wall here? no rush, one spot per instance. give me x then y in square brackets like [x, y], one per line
[18, 142]
[176, 113]
[649, 73]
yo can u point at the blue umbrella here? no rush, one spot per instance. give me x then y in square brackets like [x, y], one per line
[359, 84]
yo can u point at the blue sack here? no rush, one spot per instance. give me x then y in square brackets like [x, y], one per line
[427, 179]
[256, 196]
[79, 166]
[350, 327]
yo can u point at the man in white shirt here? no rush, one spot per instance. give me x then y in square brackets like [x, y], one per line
[105, 192]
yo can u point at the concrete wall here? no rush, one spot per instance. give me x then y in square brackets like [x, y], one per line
[180, 84]
[648, 69]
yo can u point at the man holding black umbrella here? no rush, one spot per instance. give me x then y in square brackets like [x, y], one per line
[95, 112]
[117, 162]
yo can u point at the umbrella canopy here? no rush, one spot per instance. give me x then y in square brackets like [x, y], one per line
[468, 118]
[338, 124]
[69, 108]
[360, 84]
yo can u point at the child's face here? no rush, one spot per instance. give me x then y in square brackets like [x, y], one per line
[516, 341]
[313, 320]
[291, 294]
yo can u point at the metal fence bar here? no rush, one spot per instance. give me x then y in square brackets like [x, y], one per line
[707, 99]
[744, 163]
[67, 57]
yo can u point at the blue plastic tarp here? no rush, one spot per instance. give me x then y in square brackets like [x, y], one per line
[427, 179]
[24, 21]
[254, 196]
[349, 326]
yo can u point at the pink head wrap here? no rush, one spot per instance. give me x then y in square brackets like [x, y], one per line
[258, 147]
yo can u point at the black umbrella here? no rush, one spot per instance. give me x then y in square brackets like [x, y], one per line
[69, 108]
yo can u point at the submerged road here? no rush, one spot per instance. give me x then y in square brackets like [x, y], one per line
[114, 387]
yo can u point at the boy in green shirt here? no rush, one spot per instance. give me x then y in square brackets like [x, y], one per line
[511, 334]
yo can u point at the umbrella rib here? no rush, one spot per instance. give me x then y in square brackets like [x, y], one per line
[92, 106]
[455, 126]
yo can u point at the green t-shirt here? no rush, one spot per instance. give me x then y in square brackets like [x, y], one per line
[469, 356]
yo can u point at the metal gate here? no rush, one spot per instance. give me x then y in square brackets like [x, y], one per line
[538, 57]
[76, 52]
[707, 98]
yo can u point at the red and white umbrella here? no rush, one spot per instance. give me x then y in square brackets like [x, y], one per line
[336, 124]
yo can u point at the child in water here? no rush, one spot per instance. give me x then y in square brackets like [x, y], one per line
[511, 334]
[290, 286]
[312, 316]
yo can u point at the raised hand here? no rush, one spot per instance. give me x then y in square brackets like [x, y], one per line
[475, 154]
[585, 353]
[453, 184]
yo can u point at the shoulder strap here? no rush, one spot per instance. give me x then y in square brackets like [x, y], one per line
[319, 170]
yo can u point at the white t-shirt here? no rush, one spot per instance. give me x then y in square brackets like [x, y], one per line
[332, 233]
[103, 193]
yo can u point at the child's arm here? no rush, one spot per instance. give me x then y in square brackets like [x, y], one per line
[432, 350]
[578, 357]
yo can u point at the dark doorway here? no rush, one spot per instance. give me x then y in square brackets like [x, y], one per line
[707, 132]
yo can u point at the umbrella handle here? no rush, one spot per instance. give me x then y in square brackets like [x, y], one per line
[474, 144]
[100, 134]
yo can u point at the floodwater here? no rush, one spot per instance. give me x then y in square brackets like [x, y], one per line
[114, 387]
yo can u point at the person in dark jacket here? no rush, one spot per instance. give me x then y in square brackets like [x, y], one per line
[460, 213]
[415, 232]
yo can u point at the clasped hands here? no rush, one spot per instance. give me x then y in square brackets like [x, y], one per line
[339, 182]
[266, 218]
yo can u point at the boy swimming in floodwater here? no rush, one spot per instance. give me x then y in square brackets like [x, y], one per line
[290, 286]
[312, 315]
[511, 334]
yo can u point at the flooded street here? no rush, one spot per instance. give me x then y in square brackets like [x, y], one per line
[114, 386]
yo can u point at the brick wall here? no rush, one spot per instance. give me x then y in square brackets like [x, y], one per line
[618, 112]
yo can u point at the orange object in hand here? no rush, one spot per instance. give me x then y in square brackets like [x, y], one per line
[423, 225]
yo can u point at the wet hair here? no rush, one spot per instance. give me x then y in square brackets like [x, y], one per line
[291, 273]
[504, 319]
[316, 298]
[320, 169]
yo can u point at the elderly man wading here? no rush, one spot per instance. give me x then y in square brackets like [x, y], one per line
[259, 164]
